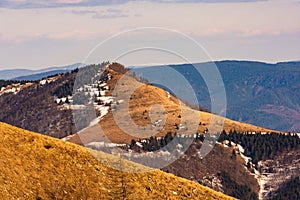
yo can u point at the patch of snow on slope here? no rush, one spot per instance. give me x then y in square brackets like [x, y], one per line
[168, 94]
[14, 88]
[67, 138]
[242, 150]
[48, 80]
[103, 111]
[226, 143]
[261, 179]
[107, 99]
[43, 82]
[101, 103]
[99, 145]
[273, 173]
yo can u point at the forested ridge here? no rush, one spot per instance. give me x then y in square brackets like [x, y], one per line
[260, 146]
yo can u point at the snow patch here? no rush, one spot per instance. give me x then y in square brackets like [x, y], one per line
[168, 95]
[242, 151]
[48, 80]
[107, 99]
[14, 88]
[139, 144]
[43, 82]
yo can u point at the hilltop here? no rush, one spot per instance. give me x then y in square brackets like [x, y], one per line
[140, 104]
[33, 166]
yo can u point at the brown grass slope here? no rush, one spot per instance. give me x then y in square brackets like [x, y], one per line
[33, 166]
[142, 100]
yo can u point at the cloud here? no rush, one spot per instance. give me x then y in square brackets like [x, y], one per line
[83, 12]
[104, 14]
[110, 13]
[75, 34]
[262, 32]
[23, 4]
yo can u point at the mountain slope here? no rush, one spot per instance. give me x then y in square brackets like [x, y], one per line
[257, 93]
[32, 106]
[211, 169]
[140, 104]
[25, 107]
[33, 166]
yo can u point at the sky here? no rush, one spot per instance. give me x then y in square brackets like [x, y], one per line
[41, 33]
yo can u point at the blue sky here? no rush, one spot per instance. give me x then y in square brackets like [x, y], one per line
[39, 33]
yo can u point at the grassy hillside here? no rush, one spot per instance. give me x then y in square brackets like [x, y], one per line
[33, 166]
[263, 94]
[140, 105]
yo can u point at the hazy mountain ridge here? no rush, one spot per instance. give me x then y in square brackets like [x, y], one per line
[27, 74]
[257, 92]
[34, 77]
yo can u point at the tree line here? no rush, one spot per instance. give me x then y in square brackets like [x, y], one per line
[260, 146]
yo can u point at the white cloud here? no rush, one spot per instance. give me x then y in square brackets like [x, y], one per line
[20, 4]
[101, 14]
[83, 12]
[110, 13]
[78, 3]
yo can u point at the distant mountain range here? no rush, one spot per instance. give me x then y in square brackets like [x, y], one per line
[26, 74]
[263, 94]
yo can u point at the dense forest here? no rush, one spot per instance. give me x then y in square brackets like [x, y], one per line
[242, 192]
[65, 90]
[257, 146]
[262, 146]
[154, 144]
[4, 83]
[290, 190]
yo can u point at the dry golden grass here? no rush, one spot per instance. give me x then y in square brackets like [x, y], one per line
[33, 166]
[142, 99]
